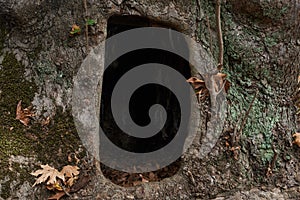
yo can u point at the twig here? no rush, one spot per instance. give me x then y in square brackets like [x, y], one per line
[220, 37]
[191, 177]
[86, 26]
[237, 133]
[66, 190]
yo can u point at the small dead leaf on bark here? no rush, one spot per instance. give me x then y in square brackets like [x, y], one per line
[45, 122]
[70, 159]
[143, 179]
[236, 152]
[200, 86]
[24, 115]
[226, 84]
[297, 139]
[196, 82]
[47, 173]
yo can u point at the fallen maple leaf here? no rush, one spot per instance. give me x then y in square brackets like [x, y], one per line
[47, 173]
[23, 115]
[297, 139]
[71, 173]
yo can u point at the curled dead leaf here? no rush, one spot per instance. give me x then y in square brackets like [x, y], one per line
[70, 171]
[196, 82]
[24, 115]
[201, 89]
[45, 122]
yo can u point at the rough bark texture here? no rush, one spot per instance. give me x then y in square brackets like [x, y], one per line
[38, 60]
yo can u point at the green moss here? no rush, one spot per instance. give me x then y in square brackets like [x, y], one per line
[60, 140]
[13, 88]
[260, 122]
[49, 145]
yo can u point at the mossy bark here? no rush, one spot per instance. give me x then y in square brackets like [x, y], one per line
[261, 54]
[38, 59]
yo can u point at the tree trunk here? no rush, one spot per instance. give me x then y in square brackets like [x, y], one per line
[255, 155]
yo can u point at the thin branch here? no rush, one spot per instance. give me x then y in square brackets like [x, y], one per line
[237, 133]
[220, 37]
[248, 111]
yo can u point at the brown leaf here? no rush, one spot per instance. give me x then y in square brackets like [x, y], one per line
[196, 83]
[57, 196]
[70, 171]
[45, 122]
[75, 29]
[47, 173]
[143, 179]
[23, 115]
[297, 139]
[70, 159]
[70, 181]
[201, 89]
[55, 186]
[225, 82]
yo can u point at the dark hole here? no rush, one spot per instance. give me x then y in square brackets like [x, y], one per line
[141, 100]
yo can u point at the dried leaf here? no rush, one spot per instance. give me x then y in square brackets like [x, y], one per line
[47, 173]
[75, 29]
[70, 182]
[45, 122]
[201, 89]
[55, 186]
[196, 83]
[23, 115]
[70, 171]
[57, 196]
[225, 82]
[70, 159]
[297, 139]
[143, 179]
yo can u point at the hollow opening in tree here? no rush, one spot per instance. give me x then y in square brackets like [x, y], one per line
[140, 102]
